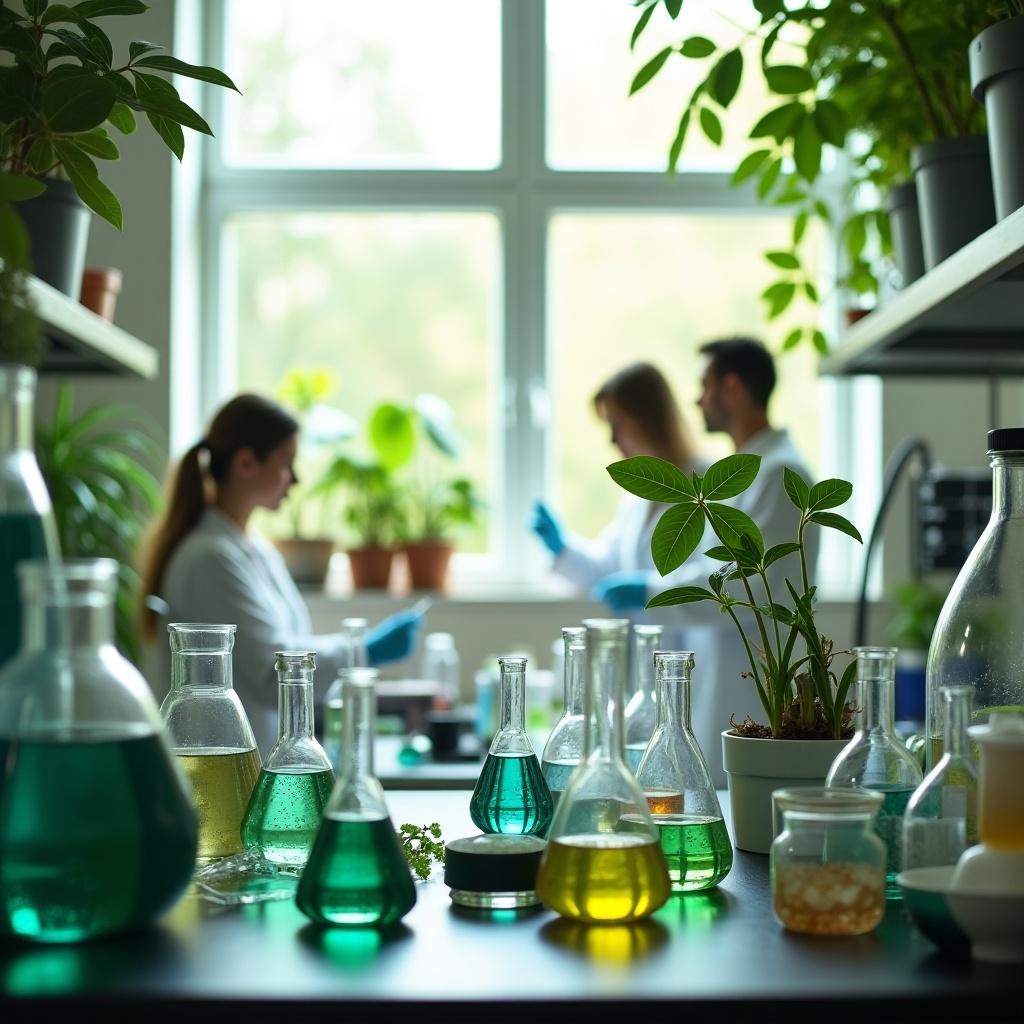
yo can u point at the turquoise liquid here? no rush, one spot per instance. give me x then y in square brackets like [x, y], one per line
[634, 755]
[95, 836]
[357, 874]
[511, 796]
[889, 826]
[284, 814]
[21, 537]
[557, 775]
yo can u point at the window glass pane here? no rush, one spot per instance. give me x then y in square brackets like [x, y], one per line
[593, 122]
[336, 83]
[654, 287]
[395, 304]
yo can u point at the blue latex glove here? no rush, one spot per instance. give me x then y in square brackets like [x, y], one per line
[394, 638]
[623, 591]
[546, 526]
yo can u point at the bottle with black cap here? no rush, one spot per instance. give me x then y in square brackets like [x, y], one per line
[979, 638]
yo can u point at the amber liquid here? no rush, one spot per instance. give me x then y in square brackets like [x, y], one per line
[664, 801]
[1001, 814]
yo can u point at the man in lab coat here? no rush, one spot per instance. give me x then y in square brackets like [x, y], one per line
[738, 376]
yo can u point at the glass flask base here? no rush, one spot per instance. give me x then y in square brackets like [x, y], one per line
[511, 796]
[495, 900]
[697, 850]
[284, 814]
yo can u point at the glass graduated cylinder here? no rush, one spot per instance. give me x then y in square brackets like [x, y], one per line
[641, 715]
[353, 638]
[564, 748]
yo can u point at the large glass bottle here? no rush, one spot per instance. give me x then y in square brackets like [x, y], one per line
[296, 781]
[27, 528]
[357, 874]
[876, 758]
[511, 796]
[210, 733]
[603, 862]
[979, 638]
[676, 782]
[941, 820]
[353, 633]
[641, 709]
[97, 831]
[564, 748]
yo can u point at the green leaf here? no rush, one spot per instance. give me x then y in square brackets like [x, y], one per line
[676, 536]
[811, 291]
[820, 342]
[730, 524]
[718, 578]
[728, 73]
[102, 8]
[14, 247]
[652, 478]
[749, 165]
[788, 79]
[769, 176]
[777, 611]
[785, 260]
[697, 47]
[797, 489]
[845, 682]
[649, 70]
[711, 125]
[837, 522]
[41, 157]
[830, 121]
[829, 494]
[680, 595]
[392, 433]
[720, 553]
[159, 97]
[82, 172]
[773, 554]
[855, 236]
[677, 142]
[77, 103]
[33, 8]
[792, 339]
[16, 187]
[170, 131]
[180, 67]
[99, 43]
[122, 118]
[768, 8]
[800, 226]
[673, 7]
[779, 123]
[58, 12]
[807, 149]
[97, 143]
[730, 476]
[778, 296]
[822, 210]
[140, 47]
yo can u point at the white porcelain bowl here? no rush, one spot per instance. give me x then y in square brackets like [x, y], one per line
[993, 922]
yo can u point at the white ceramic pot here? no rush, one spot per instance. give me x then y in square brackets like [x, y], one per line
[755, 767]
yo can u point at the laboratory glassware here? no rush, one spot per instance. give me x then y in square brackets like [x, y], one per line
[641, 708]
[440, 664]
[353, 634]
[564, 748]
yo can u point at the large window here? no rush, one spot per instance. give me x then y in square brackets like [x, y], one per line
[459, 197]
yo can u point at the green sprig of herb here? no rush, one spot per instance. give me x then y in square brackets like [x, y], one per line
[421, 845]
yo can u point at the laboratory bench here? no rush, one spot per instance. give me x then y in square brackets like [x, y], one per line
[719, 953]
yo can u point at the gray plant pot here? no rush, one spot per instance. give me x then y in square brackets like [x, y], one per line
[901, 205]
[58, 231]
[954, 194]
[997, 80]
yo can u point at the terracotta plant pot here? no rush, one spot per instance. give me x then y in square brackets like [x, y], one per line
[307, 560]
[428, 564]
[371, 567]
[100, 289]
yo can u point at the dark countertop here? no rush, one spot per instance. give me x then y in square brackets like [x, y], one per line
[722, 951]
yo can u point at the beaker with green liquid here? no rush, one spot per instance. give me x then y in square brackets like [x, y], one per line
[641, 709]
[97, 831]
[677, 785]
[511, 796]
[296, 780]
[210, 733]
[603, 862]
[357, 875]
[353, 633]
[564, 748]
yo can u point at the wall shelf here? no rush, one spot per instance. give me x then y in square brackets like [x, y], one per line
[82, 342]
[964, 317]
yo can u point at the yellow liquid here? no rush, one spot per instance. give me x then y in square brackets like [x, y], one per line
[222, 783]
[664, 801]
[1001, 816]
[603, 877]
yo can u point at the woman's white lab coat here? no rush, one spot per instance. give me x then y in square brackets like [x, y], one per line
[719, 689]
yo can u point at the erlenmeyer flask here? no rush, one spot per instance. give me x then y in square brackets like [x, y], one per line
[641, 710]
[564, 748]
[353, 632]
[357, 874]
[97, 831]
[296, 781]
[603, 861]
[210, 733]
[511, 795]
[675, 780]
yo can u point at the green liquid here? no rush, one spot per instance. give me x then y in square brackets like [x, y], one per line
[357, 874]
[95, 837]
[284, 814]
[889, 826]
[697, 850]
[511, 796]
[21, 537]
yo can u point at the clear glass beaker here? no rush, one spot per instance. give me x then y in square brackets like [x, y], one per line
[564, 748]
[676, 782]
[603, 861]
[353, 633]
[511, 796]
[876, 758]
[97, 831]
[296, 780]
[979, 638]
[642, 707]
[941, 820]
[210, 733]
[357, 874]
[27, 528]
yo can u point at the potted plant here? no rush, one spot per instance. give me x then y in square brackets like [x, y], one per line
[61, 91]
[792, 666]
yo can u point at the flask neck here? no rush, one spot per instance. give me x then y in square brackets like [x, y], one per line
[575, 662]
[85, 621]
[359, 713]
[17, 399]
[1007, 487]
[207, 670]
[605, 687]
[956, 742]
[673, 697]
[295, 709]
[647, 640]
[355, 644]
[512, 695]
[877, 711]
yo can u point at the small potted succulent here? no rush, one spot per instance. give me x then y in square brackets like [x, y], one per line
[792, 666]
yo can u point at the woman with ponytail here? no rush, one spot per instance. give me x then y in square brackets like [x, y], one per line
[205, 565]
